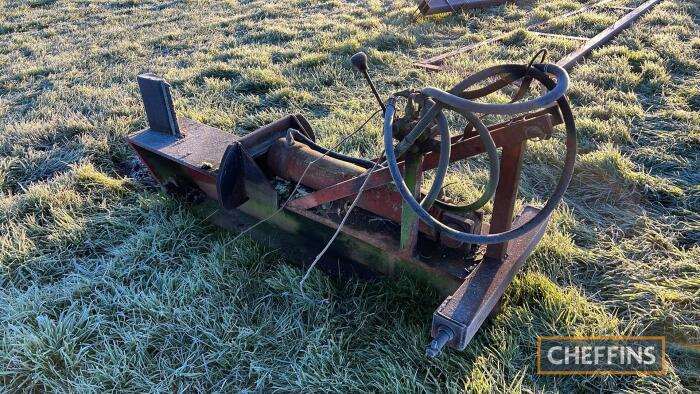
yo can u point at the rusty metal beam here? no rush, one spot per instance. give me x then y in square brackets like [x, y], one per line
[467, 309]
[435, 63]
[291, 161]
[606, 35]
[506, 194]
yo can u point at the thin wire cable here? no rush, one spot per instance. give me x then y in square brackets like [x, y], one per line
[303, 174]
[340, 226]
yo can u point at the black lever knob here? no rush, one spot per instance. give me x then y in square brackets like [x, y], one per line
[359, 61]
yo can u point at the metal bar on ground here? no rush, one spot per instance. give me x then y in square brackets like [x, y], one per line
[434, 63]
[606, 35]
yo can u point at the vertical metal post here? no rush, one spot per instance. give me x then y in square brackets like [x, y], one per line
[413, 176]
[506, 193]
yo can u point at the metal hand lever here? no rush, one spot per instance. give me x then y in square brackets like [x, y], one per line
[359, 61]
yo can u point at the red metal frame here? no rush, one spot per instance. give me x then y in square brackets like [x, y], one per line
[517, 130]
[301, 227]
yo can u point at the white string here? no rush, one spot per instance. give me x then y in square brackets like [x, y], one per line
[340, 226]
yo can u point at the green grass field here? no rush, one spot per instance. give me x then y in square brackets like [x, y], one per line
[108, 284]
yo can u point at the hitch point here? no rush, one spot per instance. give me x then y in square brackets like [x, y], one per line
[438, 343]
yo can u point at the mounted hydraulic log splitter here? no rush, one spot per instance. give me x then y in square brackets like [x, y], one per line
[400, 228]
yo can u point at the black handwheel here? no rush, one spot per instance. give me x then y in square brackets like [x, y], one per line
[450, 100]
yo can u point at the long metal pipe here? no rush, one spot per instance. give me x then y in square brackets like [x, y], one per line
[289, 162]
